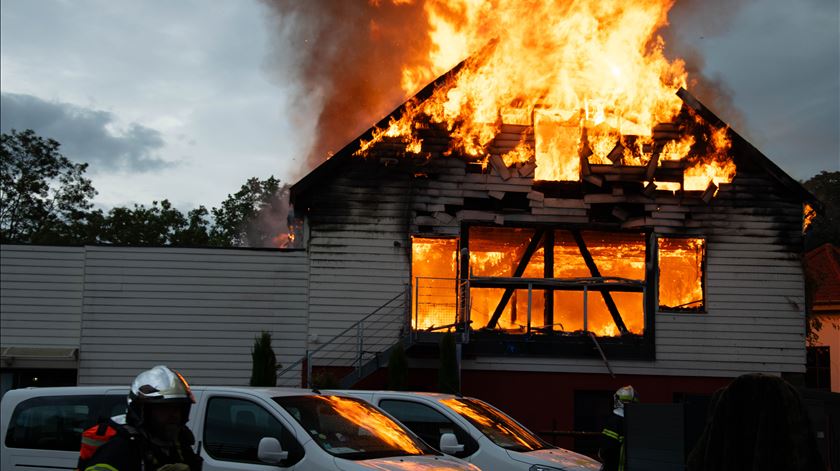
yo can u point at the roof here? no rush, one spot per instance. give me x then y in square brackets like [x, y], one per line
[822, 265]
[331, 166]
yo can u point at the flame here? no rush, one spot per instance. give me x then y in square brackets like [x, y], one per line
[522, 153]
[433, 273]
[808, 216]
[374, 422]
[495, 252]
[717, 167]
[681, 272]
[508, 428]
[677, 150]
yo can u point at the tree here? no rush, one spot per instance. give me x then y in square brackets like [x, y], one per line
[264, 362]
[159, 224]
[448, 377]
[826, 226]
[44, 195]
[254, 216]
[397, 369]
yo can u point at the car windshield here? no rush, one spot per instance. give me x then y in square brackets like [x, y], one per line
[496, 425]
[352, 429]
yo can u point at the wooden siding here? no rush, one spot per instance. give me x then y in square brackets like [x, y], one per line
[128, 309]
[754, 280]
[41, 295]
[358, 255]
[196, 310]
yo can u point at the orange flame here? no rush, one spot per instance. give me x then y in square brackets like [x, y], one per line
[681, 273]
[374, 422]
[808, 216]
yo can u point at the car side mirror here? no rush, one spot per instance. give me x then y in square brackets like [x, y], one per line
[270, 451]
[449, 444]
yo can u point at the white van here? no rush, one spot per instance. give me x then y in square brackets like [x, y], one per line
[475, 431]
[242, 429]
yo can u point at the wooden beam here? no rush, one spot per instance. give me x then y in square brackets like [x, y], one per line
[520, 269]
[593, 269]
[709, 193]
[499, 166]
[548, 272]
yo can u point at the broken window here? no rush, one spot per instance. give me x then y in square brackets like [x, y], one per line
[434, 282]
[681, 263]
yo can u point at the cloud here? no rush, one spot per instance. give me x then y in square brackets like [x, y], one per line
[85, 134]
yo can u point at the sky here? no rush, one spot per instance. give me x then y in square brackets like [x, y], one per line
[185, 100]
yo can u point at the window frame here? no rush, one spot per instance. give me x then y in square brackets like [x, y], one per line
[464, 437]
[703, 276]
[290, 462]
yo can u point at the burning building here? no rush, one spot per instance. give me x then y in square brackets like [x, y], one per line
[568, 209]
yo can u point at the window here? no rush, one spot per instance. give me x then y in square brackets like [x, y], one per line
[429, 424]
[818, 368]
[351, 428]
[57, 422]
[681, 281]
[433, 276]
[234, 428]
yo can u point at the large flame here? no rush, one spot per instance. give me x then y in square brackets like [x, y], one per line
[589, 77]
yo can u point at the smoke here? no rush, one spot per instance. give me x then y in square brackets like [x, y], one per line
[691, 23]
[349, 59]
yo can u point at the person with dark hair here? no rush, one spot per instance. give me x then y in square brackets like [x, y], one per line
[154, 437]
[758, 422]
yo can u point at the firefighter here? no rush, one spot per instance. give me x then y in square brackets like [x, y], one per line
[154, 436]
[613, 440]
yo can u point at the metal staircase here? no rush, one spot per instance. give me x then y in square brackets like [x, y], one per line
[362, 348]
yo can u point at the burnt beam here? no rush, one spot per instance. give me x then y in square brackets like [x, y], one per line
[593, 269]
[518, 272]
[548, 273]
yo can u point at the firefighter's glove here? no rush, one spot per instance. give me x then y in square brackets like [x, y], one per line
[174, 467]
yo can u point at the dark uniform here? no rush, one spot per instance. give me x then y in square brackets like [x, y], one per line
[613, 445]
[132, 450]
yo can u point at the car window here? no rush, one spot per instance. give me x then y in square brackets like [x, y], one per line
[352, 429]
[428, 423]
[495, 424]
[57, 422]
[234, 427]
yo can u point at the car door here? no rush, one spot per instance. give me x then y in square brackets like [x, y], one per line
[428, 423]
[231, 429]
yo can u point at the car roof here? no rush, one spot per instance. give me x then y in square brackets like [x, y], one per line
[431, 395]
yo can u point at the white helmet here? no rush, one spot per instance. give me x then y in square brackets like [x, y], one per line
[622, 396]
[155, 386]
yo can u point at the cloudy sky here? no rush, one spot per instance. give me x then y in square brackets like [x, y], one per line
[187, 99]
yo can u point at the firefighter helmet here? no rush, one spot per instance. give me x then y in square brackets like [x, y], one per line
[159, 385]
[622, 396]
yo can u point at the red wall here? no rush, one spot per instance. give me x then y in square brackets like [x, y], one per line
[543, 401]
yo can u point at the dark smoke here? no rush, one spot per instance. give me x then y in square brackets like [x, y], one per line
[691, 23]
[350, 57]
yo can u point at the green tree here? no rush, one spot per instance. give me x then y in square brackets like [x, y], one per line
[263, 362]
[826, 226]
[44, 195]
[253, 216]
[448, 377]
[158, 224]
[397, 369]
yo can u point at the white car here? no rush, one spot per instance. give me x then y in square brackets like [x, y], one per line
[242, 429]
[475, 431]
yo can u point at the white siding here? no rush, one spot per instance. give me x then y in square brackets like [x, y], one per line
[40, 295]
[359, 258]
[196, 310]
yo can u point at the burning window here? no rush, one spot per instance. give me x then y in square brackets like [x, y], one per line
[615, 255]
[681, 262]
[433, 276]
[497, 252]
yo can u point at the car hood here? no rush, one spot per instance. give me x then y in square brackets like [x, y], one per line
[558, 458]
[407, 463]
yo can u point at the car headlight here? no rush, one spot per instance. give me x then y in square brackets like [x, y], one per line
[542, 467]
